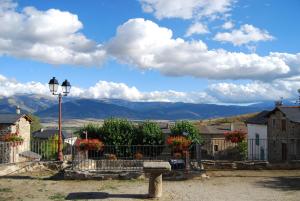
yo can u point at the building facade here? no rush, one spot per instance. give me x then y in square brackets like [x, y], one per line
[17, 125]
[284, 134]
[257, 138]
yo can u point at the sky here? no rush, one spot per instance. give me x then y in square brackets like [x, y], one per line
[198, 51]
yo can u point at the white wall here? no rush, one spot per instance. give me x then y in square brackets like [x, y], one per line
[260, 151]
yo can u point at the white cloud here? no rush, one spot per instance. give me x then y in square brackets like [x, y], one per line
[246, 34]
[223, 92]
[9, 87]
[255, 91]
[186, 9]
[197, 28]
[51, 36]
[103, 90]
[228, 25]
[147, 46]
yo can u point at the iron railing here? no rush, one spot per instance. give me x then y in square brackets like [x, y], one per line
[131, 156]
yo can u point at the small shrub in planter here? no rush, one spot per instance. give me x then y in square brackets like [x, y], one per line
[112, 157]
[235, 136]
[89, 144]
[177, 155]
[178, 143]
[13, 138]
[138, 156]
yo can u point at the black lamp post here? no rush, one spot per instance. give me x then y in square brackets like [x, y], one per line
[53, 86]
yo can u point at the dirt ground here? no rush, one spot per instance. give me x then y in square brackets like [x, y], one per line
[222, 185]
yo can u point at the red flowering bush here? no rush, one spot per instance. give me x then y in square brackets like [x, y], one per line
[12, 138]
[179, 142]
[235, 136]
[89, 144]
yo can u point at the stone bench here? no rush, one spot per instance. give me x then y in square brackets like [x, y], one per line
[155, 181]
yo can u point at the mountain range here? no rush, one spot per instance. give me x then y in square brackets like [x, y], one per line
[75, 108]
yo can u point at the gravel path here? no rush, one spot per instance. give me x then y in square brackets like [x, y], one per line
[222, 185]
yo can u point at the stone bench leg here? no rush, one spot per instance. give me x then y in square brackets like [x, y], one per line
[155, 185]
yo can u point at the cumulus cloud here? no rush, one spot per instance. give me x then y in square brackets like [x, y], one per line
[255, 91]
[228, 25]
[148, 46]
[246, 34]
[10, 87]
[197, 28]
[51, 36]
[103, 90]
[224, 92]
[187, 9]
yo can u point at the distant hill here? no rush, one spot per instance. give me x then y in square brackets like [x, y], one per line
[28, 103]
[100, 109]
[75, 108]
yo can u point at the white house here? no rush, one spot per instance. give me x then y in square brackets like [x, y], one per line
[257, 127]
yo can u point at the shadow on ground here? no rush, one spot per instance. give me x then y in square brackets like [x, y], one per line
[102, 195]
[281, 183]
[57, 176]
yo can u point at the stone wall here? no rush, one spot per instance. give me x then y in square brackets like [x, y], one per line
[278, 137]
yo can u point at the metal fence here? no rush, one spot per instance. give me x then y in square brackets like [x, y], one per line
[46, 150]
[131, 157]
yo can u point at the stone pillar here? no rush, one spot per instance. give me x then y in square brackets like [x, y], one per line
[155, 185]
[156, 169]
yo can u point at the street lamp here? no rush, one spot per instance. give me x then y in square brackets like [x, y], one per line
[66, 87]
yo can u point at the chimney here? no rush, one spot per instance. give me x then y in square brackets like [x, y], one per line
[18, 110]
[278, 103]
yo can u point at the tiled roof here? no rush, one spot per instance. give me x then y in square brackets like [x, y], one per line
[220, 128]
[11, 118]
[261, 118]
[292, 113]
[48, 133]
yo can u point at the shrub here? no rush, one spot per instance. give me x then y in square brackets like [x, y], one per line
[13, 138]
[93, 130]
[112, 157]
[178, 143]
[117, 132]
[148, 133]
[89, 144]
[182, 127]
[138, 156]
[235, 136]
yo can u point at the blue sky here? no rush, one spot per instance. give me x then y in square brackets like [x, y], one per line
[168, 67]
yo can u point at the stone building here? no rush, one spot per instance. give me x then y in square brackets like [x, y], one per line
[214, 143]
[17, 125]
[284, 134]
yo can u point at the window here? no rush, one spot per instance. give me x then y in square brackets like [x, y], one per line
[216, 147]
[273, 123]
[257, 139]
[283, 125]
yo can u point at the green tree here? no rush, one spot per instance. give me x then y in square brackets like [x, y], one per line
[93, 131]
[148, 133]
[35, 124]
[182, 127]
[117, 132]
